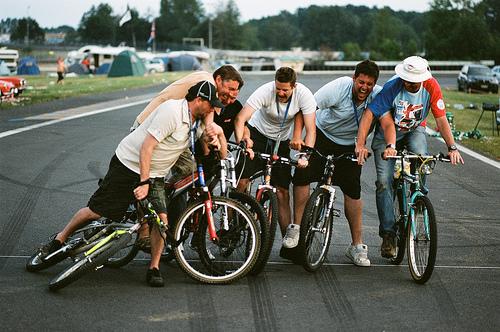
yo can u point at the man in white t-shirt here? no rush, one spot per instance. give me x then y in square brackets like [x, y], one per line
[341, 104]
[270, 112]
[141, 161]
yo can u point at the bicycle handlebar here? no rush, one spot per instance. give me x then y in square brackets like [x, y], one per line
[409, 155]
[347, 156]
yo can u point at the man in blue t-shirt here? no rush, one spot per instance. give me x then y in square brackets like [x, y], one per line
[340, 106]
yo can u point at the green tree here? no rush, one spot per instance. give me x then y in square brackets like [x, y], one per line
[456, 31]
[98, 25]
[226, 27]
[352, 51]
[178, 19]
[19, 32]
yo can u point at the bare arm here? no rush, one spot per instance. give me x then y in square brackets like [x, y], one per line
[145, 156]
[239, 122]
[364, 127]
[310, 139]
[445, 131]
[298, 126]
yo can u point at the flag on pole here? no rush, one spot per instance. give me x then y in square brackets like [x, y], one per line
[126, 17]
[152, 35]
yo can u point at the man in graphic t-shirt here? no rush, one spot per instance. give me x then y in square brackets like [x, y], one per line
[401, 108]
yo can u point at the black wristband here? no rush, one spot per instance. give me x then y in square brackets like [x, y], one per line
[392, 146]
[148, 181]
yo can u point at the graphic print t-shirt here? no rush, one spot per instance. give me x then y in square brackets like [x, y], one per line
[408, 109]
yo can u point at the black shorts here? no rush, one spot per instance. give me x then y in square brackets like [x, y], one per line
[281, 175]
[116, 192]
[346, 175]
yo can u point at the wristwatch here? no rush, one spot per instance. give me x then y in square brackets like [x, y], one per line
[452, 147]
[391, 146]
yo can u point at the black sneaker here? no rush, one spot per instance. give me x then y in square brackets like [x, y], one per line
[388, 247]
[38, 261]
[154, 278]
[291, 254]
[49, 248]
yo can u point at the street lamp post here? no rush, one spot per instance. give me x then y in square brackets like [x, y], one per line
[28, 26]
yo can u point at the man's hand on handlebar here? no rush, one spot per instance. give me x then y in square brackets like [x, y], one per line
[362, 153]
[455, 157]
[296, 143]
[389, 151]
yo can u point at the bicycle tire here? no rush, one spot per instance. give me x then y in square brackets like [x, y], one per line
[265, 236]
[195, 257]
[74, 244]
[421, 239]
[313, 223]
[124, 255]
[89, 263]
[400, 237]
[269, 201]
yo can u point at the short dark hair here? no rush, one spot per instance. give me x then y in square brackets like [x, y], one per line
[368, 68]
[229, 73]
[286, 75]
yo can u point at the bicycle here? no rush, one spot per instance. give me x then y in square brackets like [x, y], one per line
[224, 180]
[415, 220]
[317, 221]
[265, 194]
[216, 240]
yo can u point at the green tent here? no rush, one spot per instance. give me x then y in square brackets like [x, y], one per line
[127, 63]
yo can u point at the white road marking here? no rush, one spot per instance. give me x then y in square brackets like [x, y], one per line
[65, 116]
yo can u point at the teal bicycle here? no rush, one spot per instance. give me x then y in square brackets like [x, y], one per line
[415, 224]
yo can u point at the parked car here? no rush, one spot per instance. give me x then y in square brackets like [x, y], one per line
[477, 77]
[19, 82]
[154, 66]
[7, 90]
[496, 71]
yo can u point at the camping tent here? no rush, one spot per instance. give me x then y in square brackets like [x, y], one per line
[127, 63]
[78, 69]
[103, 69]
[28, 66]
[183, 62]
[4, 69]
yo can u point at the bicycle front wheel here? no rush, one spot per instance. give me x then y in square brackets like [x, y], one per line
[316, 230]
[90, 262]
[223, 260]
[260, 216]
[421, 239]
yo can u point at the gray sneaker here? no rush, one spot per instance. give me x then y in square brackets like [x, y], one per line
[358, 254]
[291, 239]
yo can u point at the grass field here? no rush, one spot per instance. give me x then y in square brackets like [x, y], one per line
[43, 88]
[464, 120]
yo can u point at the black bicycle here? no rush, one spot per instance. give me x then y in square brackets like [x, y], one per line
[317, 221]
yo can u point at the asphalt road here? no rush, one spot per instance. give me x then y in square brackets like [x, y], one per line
[47, 173]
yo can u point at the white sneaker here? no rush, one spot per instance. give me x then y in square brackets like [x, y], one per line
[358, 254]
[291, 239]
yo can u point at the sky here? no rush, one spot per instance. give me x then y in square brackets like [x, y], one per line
[54, 13]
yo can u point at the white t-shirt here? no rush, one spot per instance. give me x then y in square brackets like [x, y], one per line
[169, 124]
[337, 117]
[268, 119]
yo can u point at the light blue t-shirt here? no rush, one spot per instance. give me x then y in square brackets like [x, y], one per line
[336, 112]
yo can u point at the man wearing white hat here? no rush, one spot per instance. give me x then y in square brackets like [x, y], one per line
[401, 108]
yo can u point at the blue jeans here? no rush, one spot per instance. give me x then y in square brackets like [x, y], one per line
[414, 141]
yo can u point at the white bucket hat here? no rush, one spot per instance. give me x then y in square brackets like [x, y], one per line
[414, 69]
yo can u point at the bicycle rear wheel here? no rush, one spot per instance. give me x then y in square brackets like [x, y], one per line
[400, 238]
[90, 262]
[315, 230]
[260, 216]
[224, 260]
[421, 239]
